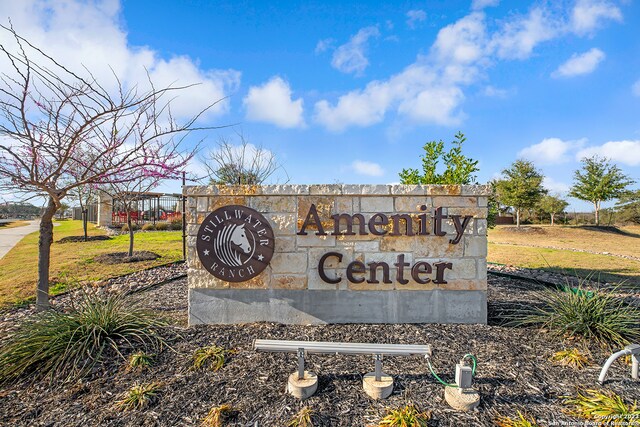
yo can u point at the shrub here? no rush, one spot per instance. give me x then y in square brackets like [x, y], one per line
[134, 227]
[520, 421]
[139, 396]
[212, 355]
[148, 227]
[217, 415]
[407, 416]
[67, 345]
[162, 226]
[593, 315]
[302, 419]
[176, 225]
[573, 358]
[594, 404]
[140, 360]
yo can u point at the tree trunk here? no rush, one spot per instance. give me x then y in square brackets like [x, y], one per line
[518, 218]
[552, 215]
[130, 232]
[44, 252]
[597, 214]
[84, 223]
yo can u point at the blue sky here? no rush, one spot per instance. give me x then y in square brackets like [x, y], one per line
[350, 91]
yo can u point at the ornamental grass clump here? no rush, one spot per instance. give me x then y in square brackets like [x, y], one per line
[139, 396]
[218, 415]
[573, 358]
[210, 355]
[162, 226]
[409, 416]
[140, 361]
[520, 421]
[67, 345]
[604, 406]
[598, 315]
[303, 418]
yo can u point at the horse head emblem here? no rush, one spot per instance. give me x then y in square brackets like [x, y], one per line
[226, 244]
[239, 238]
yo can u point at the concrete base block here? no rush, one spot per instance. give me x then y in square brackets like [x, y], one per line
[302, 388]
[462, 399]
[377, 389]
[304, 307]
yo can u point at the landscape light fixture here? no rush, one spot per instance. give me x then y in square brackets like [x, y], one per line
[631, 349]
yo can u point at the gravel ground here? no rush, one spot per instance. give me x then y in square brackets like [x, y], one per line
[514, 373]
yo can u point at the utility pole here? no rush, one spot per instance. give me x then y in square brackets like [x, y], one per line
[184, 217]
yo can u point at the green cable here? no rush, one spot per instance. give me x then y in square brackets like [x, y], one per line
[473, 359]
[437, 377]
[473, 369]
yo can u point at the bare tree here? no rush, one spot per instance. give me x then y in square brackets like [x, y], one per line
[243, 164]
[126, 192]
[60, 130]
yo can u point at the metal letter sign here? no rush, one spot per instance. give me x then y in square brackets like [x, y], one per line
[235, 243]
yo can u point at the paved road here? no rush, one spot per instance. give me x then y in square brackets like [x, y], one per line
[11, 236]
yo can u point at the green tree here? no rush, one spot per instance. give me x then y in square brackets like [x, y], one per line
[459, 169]
[552, 205]
[628, 207]
[598, 181]
[521, 187]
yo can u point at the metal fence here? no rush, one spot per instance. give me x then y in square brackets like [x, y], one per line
[149, 207]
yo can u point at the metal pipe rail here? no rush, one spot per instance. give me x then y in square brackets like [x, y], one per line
[320, 347]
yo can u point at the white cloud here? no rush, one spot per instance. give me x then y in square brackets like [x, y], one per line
[211, 85]
[555, 186]
[481, 4]
[367, 168]
[91, 34]
[587, 15]
[462, 42]
[580, 64]
[359, 107]
[272, 103]
[431, 90]
[518, 38]
[626, 152]
[635, 88]
[434, 105]
[324, 45]
[351, 56]
[494, 92]
[551, 151]
[415, 16]
[426, 92]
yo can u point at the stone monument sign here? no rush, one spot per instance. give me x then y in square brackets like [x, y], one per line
[312, 254]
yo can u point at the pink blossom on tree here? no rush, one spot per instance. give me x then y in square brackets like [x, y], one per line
[60, 131]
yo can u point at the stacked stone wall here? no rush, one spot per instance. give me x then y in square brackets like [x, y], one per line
[296, 259]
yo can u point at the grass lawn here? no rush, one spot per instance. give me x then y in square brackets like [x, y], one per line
[13, 224]
[570, 237]
[74, 262]
[520, 251]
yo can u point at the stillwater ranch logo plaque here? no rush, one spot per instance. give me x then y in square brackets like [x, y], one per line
[235, 243]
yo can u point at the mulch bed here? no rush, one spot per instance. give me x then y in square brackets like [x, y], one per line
[75, 239]
[123, 257]
[514, 373]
